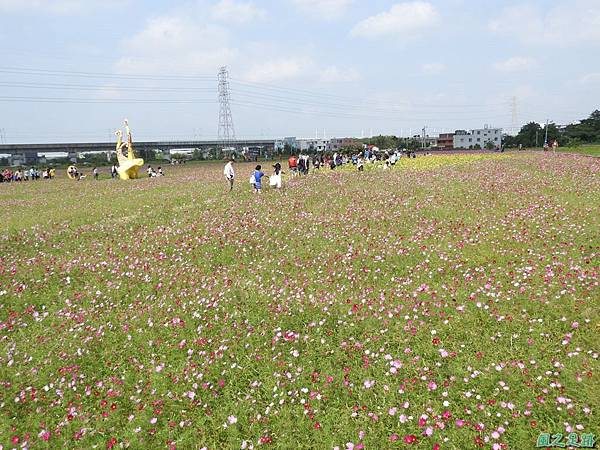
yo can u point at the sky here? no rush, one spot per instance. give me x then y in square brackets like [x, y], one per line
[72, 70]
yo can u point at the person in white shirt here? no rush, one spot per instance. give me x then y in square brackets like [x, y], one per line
[229, 173]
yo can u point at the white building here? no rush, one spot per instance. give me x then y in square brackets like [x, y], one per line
[479, 137]
[318, 145]
[280, 144]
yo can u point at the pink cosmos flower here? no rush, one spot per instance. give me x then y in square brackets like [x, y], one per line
[410, 439]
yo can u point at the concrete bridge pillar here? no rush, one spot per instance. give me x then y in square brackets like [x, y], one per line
[23, 159]
[31, 158]
[16, 159]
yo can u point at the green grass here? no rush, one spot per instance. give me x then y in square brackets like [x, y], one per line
[462, 290]
[591, 150]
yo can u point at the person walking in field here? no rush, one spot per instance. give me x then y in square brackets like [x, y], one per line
[293, 165]
[301, 166]
[258, 175]
[229, 173]
[95, 172]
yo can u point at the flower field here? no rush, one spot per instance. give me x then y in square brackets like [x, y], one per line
[451, 302]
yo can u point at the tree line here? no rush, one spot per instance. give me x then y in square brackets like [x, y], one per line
[586, 131]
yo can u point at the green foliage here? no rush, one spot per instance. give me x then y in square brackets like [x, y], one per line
[587, 131]
[530, 134]
[382, 142]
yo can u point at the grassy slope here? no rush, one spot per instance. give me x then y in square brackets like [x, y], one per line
[278, 309]
[591, 150]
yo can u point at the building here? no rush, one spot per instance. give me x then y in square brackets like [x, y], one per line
[478, 138]
[446, 141]
[314, 145]
[336, 144]
[426, 141]
[280, 144]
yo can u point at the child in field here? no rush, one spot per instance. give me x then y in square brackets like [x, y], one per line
[229, 173]
[258, 175]
[276, 177]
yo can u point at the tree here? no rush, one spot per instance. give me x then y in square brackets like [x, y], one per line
[527, 135]
[490, 145]
[587, 131]
[510, 141]
[351, 149]
[553, 133]
[383, 142]
[197, 154]
[413, 144]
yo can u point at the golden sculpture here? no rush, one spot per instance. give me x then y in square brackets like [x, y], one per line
[128, 165]
[73, 173]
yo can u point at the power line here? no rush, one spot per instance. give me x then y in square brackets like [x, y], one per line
[253, 96]
[320, 96]
[65, 73]
[102, 87]
[99, 100]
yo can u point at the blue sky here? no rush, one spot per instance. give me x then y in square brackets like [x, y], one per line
[71, 70]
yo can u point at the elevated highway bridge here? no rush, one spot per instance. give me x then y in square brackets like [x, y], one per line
[30, 153]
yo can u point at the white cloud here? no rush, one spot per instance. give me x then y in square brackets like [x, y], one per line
[515, 64]
[176, 44]
[569, 22]
[56, 6]
[324, 9]
[278, 69]
[590, 78]
[334, 74]
[401, 19]
[237, 12]
[433, 68]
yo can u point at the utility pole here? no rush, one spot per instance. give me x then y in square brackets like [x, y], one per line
[536, 138]
[546, 137]
[226, 132]
[2, 136]
[424, 137]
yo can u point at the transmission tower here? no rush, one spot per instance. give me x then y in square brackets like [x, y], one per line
[226, 130]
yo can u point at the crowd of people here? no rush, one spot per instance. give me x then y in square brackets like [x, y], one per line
[154, 173]
[297, 166]
[19, 174]
[32, 174]
[303, 163]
